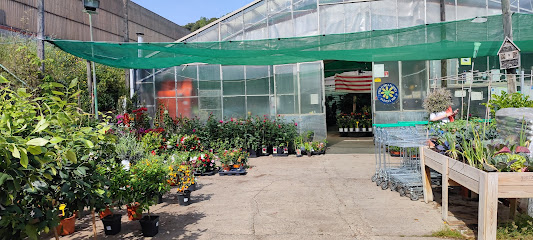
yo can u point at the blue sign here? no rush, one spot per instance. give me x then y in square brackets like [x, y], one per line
[387, 93]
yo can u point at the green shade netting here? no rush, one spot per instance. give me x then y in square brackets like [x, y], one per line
[424, 42]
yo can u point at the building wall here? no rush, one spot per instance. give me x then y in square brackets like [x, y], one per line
[64, 19]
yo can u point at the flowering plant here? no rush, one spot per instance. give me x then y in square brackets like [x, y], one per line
[184, 176]
[234, 157]
[189, 143]
[149, 178]
[203, 162]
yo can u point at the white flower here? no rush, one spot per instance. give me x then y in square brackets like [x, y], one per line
[32, 213]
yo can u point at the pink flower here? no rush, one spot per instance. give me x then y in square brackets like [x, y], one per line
[295, 124]
[194, 130]
[221, 121]
[279, 126]
[120, 117]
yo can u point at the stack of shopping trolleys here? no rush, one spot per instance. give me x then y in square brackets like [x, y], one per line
[397, 157]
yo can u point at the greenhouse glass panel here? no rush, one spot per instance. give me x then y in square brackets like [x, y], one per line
[188, 107]
[433, 11]
[332, 19]
[257, 80]
[304, 5]
[392, 68]
[209, 77]
[230, 27]
[526, 6]
[414, 84]
[329, 1]
[359, 18]
[384, 14]
[146, 93]
[276, 6]
[233, 80]
[234, 107]
[287, 104]
[411, 13]
[449, 9]
[311, 88]
[495, 7]
[208, 35]
[170, 104]
[165, 83]
[280, 25]
[145, 75]
[257, 31]
[187, 82]
[258, 105]
[306, 23]
[256, 13]
[471, 9]
[286, 79]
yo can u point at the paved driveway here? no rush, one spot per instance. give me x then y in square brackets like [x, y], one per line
[319, 197]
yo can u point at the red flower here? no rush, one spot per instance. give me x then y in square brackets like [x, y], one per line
[153, 152]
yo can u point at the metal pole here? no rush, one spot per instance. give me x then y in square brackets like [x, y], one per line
[508, 31]
[94, 71]
[40, 34]
[126, 36]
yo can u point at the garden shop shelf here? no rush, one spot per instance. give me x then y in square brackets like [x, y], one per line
[489, 185]
[233, 172]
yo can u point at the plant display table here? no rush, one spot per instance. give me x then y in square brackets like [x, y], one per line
[489, 185]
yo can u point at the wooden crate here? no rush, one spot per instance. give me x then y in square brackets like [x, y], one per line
[489, 186]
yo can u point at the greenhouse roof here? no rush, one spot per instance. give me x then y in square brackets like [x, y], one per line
[424, 42]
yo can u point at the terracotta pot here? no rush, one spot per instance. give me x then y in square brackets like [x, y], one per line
[66, 226]
[134, 213]
[105, 213]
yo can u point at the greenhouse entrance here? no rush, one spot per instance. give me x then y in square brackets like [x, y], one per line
[348, 91]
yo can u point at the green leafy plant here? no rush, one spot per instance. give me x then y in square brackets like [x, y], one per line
[128, 148]
[149, 178]
[505, 100]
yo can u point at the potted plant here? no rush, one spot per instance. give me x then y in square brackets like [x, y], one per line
[185, 180]
[308, 148]
[351, 124]
[129, 150]
[119, 195]
[340, 122]
[149, 179]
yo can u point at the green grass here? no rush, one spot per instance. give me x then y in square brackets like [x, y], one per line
[448, 233]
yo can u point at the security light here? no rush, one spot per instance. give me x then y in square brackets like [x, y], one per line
[91, 5]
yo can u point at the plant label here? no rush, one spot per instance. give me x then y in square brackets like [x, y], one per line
[275, 150]
[157, 224]
[285, 151]
[108, 228]
[185, 199]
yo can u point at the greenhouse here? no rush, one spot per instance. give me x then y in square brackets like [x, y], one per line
[285, 57]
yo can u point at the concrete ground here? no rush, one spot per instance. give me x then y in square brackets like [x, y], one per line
[364, 144]
[319, 197]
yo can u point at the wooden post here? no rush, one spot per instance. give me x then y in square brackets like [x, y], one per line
[488, 206]
[426, 178]
[512, 208]
[445, 178]
[508, 31]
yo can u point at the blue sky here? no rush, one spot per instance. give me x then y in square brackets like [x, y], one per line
[186, 11]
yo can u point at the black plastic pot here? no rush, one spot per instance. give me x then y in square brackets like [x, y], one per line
[159, 198]
[192, 187]
[253, 153]
[184, 198]
[309, 154]
[112, 224]
[150, 225]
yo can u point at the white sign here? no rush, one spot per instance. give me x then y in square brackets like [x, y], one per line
[379, 70]
[509, 55]
[460, 93]
[314, 98]
[477, 96]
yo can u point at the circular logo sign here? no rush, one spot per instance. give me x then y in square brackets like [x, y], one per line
[387, 93]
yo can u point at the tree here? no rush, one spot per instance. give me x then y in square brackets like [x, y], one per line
[199, 24]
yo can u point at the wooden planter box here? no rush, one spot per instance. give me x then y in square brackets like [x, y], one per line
[489, 186]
